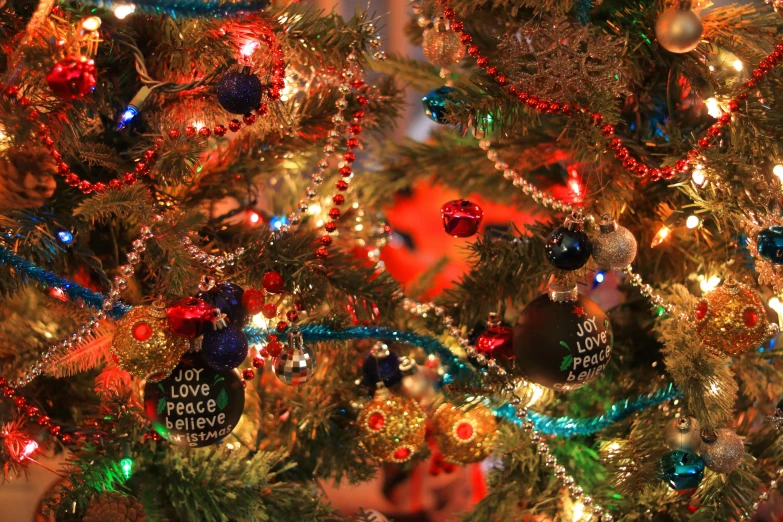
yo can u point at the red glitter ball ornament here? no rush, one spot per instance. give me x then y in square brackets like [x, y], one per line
[190, 317]
[269, 310]
[72, 77]
[461, 218]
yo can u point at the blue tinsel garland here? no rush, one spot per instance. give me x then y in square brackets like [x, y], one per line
[456, 369]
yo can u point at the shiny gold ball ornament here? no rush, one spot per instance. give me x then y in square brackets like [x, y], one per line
[679, 29]
[731, 319]
[722, 450]
[391, 428]
[683, 434]
[144, 345]
[615, 247]
[441, 45]
[463, 436]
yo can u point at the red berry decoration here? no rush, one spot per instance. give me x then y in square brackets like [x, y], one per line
[253, 301]
[269, 310]
[248, 374]
[274, 348]
[72, 77]
[273, 282]
[461, 218]
[258, 363]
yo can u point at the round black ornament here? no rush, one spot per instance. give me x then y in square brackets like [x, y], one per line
[568, 247]
[196, 405]
[224, 349]
[239, 91]
[562, 345]
[228, 298]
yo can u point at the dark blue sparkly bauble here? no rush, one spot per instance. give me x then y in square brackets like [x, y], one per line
[377, 369]
[435, 103]
[239, 92]
[568, 249]
[770, 243]
[224, 349]
[682, 469]
[227, 297]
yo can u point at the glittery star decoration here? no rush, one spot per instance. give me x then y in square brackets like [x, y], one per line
[580, 311]
[777, 419]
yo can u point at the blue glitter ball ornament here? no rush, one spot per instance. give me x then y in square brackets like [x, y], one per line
[435, 103]
[224, 349]
[239, 92]
[770, 243]
[228, 298]
[682, 469]
[568, 247]
[381, 365]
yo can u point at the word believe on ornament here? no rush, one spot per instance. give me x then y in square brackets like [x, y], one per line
[196, 406]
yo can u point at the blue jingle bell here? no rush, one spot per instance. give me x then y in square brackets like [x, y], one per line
[681, 469]
[770, 244]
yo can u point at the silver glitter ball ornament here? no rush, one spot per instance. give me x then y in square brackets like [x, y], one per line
[296, 364]
[724, 453]
[679, 29]
[683, 434]
[615, 247]
[441, 45]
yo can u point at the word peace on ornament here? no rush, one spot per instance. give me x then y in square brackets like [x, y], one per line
[197, 405]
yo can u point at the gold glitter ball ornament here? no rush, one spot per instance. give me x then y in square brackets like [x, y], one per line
[722, 450]
[615, 247]
[392, 428]
[731, 319]
[462, 436]
[441, 45]
[144, 345]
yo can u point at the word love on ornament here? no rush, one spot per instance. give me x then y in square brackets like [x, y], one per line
[196, 406]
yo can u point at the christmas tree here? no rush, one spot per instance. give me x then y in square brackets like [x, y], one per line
[197, 311]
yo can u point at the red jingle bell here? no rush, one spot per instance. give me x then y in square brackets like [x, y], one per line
[496, 342]
[190, 317]
[461, 218]
[72, 78]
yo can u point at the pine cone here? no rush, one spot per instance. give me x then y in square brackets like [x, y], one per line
[114, 507]
[26, 177]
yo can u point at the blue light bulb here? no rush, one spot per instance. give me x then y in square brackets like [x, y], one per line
[65, 236]
[126, 117]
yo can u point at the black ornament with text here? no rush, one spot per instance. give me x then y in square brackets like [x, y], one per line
[568, 247]
[196, 405]
[562, 345]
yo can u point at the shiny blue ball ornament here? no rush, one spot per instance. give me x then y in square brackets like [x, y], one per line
[239, 92]
[770, 244]
[435, 103]
[682, 469]
[228, 298]
[381, 365]
[224, 349]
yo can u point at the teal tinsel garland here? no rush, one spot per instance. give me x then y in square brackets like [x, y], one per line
[29, 270]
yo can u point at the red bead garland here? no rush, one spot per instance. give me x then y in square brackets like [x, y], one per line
[622, 153]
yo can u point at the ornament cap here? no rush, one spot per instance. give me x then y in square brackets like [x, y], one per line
[709, 436]
[493, 319]
[608, 224]
[380, 350]
[158, 309]
[441, 25]
[562, 287]
[574, 222]
[295, 341]
[408, 366]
